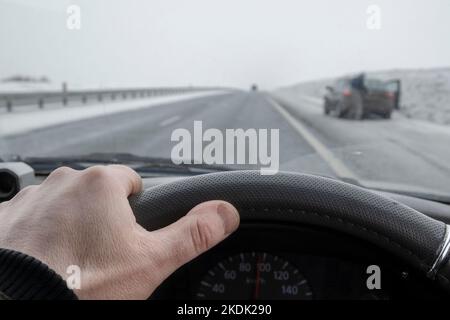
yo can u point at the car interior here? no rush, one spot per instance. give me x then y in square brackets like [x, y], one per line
[302, 237]
[325, 123]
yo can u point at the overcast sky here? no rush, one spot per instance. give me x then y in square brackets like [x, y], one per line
[218, 42]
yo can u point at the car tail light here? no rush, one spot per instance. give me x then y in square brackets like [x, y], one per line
[347, 93]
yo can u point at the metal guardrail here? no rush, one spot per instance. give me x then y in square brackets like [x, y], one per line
[40, 99]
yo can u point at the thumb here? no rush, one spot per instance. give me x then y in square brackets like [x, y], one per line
[202, 228]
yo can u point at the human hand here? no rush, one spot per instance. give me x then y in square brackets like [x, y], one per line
[83, 218]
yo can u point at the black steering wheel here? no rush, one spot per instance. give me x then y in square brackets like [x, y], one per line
[299, 198]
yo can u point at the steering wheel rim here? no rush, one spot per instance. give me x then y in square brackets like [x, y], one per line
[307, 199]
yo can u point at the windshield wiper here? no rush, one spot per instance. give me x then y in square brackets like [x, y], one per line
[143, 165]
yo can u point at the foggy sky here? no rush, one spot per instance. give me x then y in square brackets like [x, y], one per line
[212, 42]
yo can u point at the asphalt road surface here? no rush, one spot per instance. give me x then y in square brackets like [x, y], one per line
[397, 153]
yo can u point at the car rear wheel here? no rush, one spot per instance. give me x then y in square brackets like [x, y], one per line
[356, 111]
[326, 108]
[387, 115]
[338, 111]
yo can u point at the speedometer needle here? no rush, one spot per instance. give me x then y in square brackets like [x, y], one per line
[258, 279]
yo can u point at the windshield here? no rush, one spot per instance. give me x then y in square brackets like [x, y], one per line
[375, 84]
[239, 84]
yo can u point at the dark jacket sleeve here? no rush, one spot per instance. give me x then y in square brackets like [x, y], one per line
[25, 278]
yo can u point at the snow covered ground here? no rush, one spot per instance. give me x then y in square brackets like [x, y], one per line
[22, 122]
[425, 92]
[23, 87]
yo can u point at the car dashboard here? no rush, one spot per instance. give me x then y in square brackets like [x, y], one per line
[279, 261]
[286, 262]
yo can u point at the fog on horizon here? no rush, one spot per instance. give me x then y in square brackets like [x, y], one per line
[209, 42]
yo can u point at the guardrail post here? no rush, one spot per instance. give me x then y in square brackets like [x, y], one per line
[64, 92]
[124, 95]
[8, 105]
[84, 99]
[113, 96]
[100, 97]
[41, 103]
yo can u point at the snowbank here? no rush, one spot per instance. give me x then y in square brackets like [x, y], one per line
[22, 122]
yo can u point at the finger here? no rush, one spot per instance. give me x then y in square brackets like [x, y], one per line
[127, 178]
[202, 228]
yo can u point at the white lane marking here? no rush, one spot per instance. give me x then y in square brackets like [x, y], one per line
[169, 121]
[206, 284]
[339, 168]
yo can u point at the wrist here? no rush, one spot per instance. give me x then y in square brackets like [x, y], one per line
[23, 277]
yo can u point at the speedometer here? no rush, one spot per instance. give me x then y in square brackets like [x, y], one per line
[253, 276]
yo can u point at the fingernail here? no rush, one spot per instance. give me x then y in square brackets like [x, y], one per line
[229, 215]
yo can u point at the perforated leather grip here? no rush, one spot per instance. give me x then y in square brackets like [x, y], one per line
[302, 199]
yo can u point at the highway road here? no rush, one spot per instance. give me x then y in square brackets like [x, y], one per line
[394, 154]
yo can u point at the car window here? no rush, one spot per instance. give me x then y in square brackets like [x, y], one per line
[374, 84]
[234, 84]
